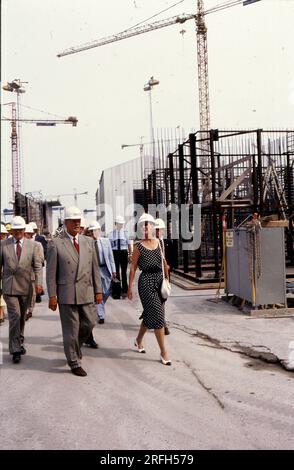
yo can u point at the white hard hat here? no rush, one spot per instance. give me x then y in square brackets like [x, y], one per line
[29, 228]
[73, 213]
[159, 223]
[3, 229]
[34, 225]
[119, 219]
[94, 225]
[18, 223]
[146, 218]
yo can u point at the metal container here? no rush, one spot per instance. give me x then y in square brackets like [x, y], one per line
[255, 265]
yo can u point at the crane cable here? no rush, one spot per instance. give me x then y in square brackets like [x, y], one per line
[41, 111]
[151, 17]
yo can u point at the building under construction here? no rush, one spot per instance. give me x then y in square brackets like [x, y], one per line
[232, 174]
[35, 209]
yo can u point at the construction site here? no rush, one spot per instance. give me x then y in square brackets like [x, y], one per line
[241, 179]
[205, 146]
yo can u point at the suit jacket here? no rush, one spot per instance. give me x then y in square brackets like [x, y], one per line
[40, 253]
[16, 275]
[107, 253]
[41, 239]
[74, 278]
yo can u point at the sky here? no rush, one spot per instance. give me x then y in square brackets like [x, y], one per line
[251, 82]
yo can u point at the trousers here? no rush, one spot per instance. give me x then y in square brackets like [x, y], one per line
[16, 309]
[77, 322]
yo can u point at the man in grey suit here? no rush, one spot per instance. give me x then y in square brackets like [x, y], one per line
[19, 257]
[74, 283]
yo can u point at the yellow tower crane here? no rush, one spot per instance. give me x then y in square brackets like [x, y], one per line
[202, 55]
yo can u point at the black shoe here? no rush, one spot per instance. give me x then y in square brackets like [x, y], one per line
[38, 298]
[92, 344]
[23, 351]
[79, 371]
[28, 316]
[166, 331]
[16, 358]
[101, 321]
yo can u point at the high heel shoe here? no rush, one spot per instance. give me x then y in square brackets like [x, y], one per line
[164, 362]
[140, 350]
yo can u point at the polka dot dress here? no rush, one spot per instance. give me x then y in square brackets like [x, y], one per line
[149, 287]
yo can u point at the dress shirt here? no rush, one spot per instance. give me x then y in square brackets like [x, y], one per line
[15, 243]
[71, 238]
[119, 239]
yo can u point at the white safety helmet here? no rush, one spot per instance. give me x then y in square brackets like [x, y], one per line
[3, 229]
[119, 220]
[73, 213]
[159, 224]
[18, 223]
[146, 218]
[29, 228]
[94, 225]
[34, 225]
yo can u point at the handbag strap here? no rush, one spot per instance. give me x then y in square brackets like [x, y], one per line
[162, 258]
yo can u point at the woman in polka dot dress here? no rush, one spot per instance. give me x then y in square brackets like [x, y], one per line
[147, 256]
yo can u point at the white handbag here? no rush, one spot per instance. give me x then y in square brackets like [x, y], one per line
[165, 288]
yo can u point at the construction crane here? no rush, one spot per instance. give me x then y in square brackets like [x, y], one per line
[17, 86]
[202, 55]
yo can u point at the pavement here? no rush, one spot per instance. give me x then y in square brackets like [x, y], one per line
[216, 394]
[207, 316]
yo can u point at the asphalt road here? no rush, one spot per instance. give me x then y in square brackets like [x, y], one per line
[209, 398]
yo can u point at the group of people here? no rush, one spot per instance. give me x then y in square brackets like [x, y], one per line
[81, 266]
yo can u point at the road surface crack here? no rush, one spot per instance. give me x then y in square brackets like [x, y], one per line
[260, 352]
[200, 381]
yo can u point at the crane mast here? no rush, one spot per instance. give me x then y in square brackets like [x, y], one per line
[15, 160]
[202, 60]
[15, 120]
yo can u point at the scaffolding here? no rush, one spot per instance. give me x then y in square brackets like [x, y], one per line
[231, 174]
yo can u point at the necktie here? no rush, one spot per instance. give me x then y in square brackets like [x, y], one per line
[75, 244]
[118, 243]
[18, 249]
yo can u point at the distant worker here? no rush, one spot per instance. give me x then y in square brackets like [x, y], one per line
[166, 243]
[29, 232]
[122, 252]
[19, 257]
[41, 239]
[74, 284]
[82, 226]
